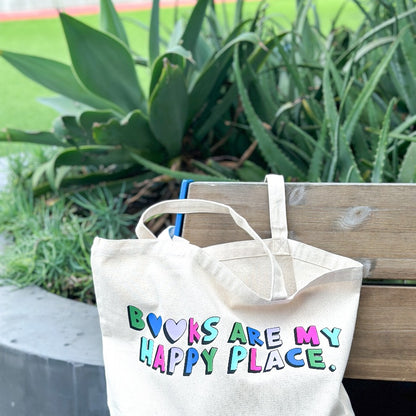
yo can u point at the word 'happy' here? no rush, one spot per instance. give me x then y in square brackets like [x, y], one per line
[247, 341]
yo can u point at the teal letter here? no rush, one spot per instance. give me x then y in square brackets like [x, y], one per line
[208, 329]
[146, 351]
[333, 336]
[237, 354]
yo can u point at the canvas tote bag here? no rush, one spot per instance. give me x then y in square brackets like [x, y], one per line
[256, 327]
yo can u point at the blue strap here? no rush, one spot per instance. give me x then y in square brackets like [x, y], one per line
[183, 193]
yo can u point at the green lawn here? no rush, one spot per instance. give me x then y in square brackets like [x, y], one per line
[18, 105]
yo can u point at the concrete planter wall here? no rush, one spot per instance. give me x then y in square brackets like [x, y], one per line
[50, 356]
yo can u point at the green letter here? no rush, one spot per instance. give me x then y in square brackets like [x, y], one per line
[135, 318]
[315, 360]
[208, 358]
[238, 334]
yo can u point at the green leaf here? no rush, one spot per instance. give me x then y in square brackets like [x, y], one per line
[214, 72]
[331, 113]
[64, 105]
[162, 170]
[57, 77]
[217, 112]
[91, 155]
[176, 34]
[408, 167]
[306, 138]
[60, 175]
[209, 167]
[89, 118]
[369, 47]
[238, 16]
[275, 158]
[110, 21]
[250, 172]
[68, 128]
[176, 56]
[408, 41]
[39, 173]
[331, 118]
[204, 51]
[96, 178]
[403, 80]
[43, 137]
[408, 123]
[292, 70]
[375, 30]
[103, 64]
[194, 25]
[316, 165]
[365, 94]
[256, 60]
[378, 167]
[134, 132]
[154, 32]
[168, 108]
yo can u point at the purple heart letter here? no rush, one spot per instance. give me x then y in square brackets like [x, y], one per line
[174, 330]
[155, 324]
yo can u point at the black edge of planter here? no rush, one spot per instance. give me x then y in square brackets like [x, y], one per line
[50, 356]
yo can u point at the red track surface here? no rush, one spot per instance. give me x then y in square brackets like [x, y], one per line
[49, 13]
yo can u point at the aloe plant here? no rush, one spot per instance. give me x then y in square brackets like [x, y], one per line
[232, 101]
[339, 99]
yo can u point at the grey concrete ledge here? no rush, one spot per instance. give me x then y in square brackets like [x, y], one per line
[50, 355]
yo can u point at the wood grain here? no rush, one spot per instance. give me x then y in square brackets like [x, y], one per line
[384, 345]
[375, 224]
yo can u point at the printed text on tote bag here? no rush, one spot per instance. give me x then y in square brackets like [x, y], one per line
[243, 344]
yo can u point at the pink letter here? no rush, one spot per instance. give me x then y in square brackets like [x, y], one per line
[159, 361]
[252, 365]
[306, 337]
[193, 334]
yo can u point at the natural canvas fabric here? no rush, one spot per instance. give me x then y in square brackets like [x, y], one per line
[256, 327]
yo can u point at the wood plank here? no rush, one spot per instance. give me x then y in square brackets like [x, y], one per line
[376, 224]
[384, 345]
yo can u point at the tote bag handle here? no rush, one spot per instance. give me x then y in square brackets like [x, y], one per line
[189, 206]
[277, 206]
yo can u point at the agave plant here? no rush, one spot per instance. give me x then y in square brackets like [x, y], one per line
[233, 103]
[113, 130]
